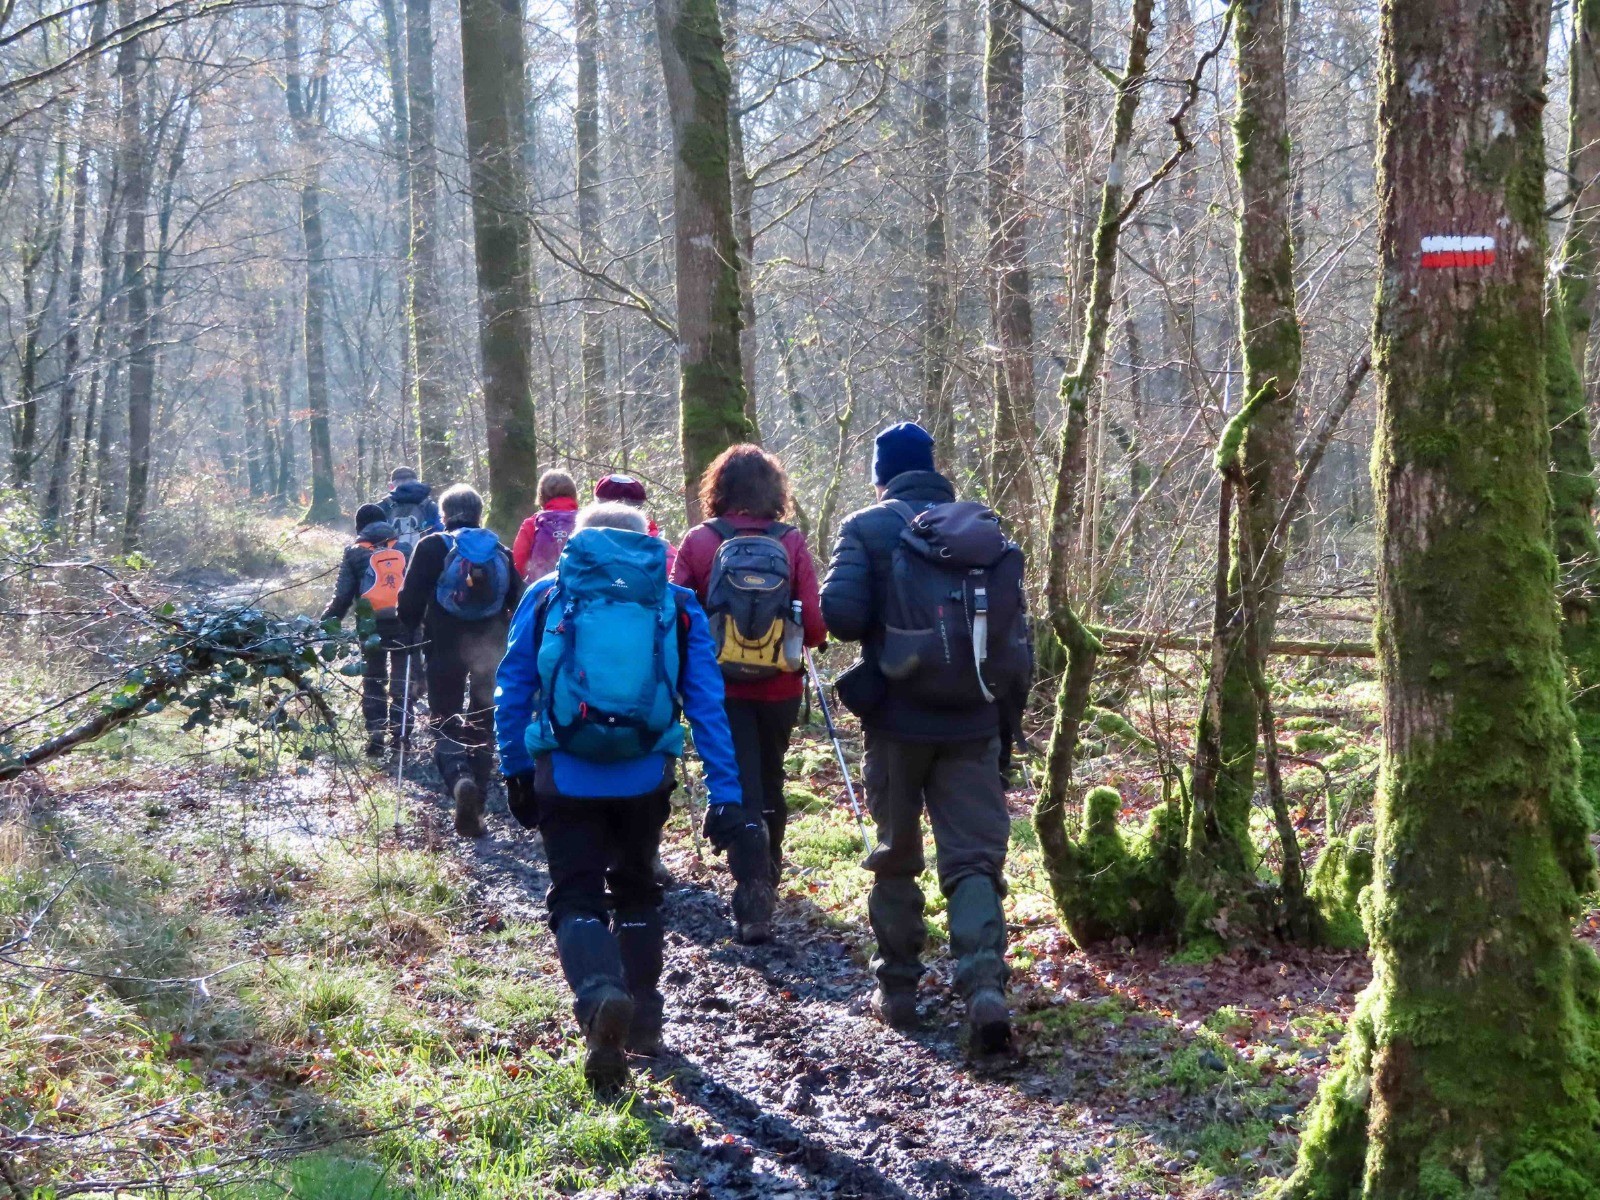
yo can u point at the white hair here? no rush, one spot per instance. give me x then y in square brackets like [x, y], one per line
[613, 514]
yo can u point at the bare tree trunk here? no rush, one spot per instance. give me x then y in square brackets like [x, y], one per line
[1580, 263]
[1472, 1063]
[1219, 865]
[494, 83]
[711, 403]
[308, 98]
[1014, 432]
[71, 348]
[423, 300]
[394, 55]
[134, 173]
[938, 317]
[598, 436]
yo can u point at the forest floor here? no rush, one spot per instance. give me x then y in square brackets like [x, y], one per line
[282, 974]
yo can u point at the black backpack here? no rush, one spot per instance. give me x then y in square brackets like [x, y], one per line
[956, 632]
[749, 603]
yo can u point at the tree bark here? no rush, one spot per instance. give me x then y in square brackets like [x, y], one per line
[308, 115]
[55, 499]
[598, 434]
[1572, 480]
[1472, 1066]
[744, 230]
[1014, 432]
[494, 83]
[1219, 864]
[938, 316]
[422, 171]
[133, 171]
[711, 398]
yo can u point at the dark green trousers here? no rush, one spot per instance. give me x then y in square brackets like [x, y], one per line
[957, 784]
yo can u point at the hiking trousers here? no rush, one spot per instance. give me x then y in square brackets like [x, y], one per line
[461, 666]
[761, 732]
[384, 680]
[604, 902]
[957, 783]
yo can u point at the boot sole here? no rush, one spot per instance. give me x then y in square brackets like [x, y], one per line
[605, 1065]
[992, 1038]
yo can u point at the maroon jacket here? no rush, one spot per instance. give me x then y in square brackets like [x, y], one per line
[693, 570]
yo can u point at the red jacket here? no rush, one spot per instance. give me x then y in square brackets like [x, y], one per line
[693, 570]
[522, 548]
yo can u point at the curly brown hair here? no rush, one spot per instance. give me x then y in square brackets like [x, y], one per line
[745, 479]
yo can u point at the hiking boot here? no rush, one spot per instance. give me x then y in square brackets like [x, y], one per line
[469, 808]
[989, 1021]
[897, 1010]
[753, 933]
[375, 747]
[605, 1064]
[644, 1032]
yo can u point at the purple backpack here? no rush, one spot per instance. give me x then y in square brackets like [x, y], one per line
[550, 533]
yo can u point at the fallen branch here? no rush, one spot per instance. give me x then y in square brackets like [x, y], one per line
[1138, 639]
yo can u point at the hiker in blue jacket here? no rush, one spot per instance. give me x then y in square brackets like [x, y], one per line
[604, 658]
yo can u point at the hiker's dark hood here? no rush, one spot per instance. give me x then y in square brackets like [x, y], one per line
[412, 491]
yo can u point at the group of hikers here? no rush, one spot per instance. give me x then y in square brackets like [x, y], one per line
[581, 649]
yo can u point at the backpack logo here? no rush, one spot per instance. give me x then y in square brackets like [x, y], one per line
[619, 582]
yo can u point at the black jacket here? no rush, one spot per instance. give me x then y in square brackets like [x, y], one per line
[353, 570]
[854, 601]
[422, 579]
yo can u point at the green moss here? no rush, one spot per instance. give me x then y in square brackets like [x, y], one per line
[1343, 869]
[1113, 883]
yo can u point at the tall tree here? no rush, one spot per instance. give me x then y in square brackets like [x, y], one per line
[1571, 311]
[597, 431]
[1219, 867]
[72, 336]
[423, 297]
[308, 114]
[1472, 1064]
[938, 316]
[495, 87]
[711, 398]
[134, 173]
[1010, 296]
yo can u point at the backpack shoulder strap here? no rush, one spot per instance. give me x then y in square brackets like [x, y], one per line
[724, 529]
[901, 509]
[777, 531]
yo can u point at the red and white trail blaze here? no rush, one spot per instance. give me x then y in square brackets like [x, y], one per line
[1451, 250]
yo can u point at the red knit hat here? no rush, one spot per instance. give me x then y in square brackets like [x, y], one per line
[625, 488]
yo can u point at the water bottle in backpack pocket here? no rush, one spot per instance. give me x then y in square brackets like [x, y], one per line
[608, 651]
[749, 603]
[476, 576]
[381, 582]
[955, 635]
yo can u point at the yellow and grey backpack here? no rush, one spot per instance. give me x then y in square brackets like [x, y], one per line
[749, 602]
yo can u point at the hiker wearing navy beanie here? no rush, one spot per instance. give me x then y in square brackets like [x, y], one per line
[901, 448]
[925, 755]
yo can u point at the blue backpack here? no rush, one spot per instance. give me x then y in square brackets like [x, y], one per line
[476, 576]
[607, 651]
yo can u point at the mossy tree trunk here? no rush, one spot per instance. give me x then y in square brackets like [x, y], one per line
[423, 307]
[1075, 385]
[711, 398]
[1219, 866]
[938, 316]
[308, 107]
[1473, 1061]
[1010, 287]
[495, 90]
[1571, 311]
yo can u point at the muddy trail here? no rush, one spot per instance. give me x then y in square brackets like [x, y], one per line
[784, 1084]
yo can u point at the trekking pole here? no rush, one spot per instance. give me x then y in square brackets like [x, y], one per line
[838, 749]
[405, 717]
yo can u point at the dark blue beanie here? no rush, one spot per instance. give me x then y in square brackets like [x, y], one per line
[901, 448]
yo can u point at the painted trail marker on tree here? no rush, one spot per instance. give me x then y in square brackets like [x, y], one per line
[1453, 251]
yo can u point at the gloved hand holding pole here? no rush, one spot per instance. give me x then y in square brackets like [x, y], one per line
[838, 749]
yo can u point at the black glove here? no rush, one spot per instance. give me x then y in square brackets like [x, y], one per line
[521, 799]
[724, 823]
